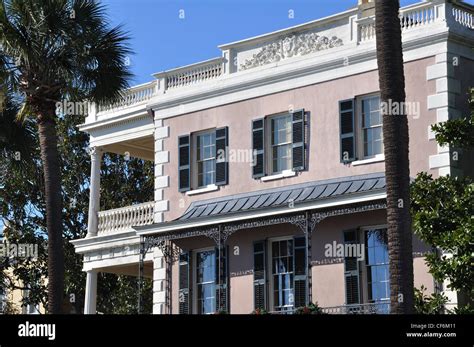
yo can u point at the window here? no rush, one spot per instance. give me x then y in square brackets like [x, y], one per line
[285, 267]
[203, 278]
[206, 158]
[281, 143]
[368, 281]
[282, 275]
[361, 135]
[29, 308]
[206, 282]
[203, 159]
[377, 268]
[278, 144]
[371, 119]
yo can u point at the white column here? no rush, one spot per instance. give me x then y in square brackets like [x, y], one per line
[94, 191]
[91, 292]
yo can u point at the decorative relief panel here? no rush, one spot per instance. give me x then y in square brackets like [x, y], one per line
[291, 46]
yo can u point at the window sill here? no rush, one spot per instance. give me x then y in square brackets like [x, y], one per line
[376, 159]
[283, 174]
[209, 188]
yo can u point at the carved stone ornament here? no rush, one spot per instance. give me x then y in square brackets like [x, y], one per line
[291, 46]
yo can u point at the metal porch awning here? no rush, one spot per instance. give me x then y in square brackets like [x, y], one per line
[290, 201]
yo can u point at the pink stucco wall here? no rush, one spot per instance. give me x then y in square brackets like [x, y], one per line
[327, 276]
[321, 101]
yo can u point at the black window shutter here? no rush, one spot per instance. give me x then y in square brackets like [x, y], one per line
[184, 165]
[301, 272]
[222, 280]
[347, 130]
[351, 270]
[184, 284]
[258, 147]
[222, 163]
[298, 129]
[259, 275]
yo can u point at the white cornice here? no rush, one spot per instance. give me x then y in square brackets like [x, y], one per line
[297, 28]
[290, 74]
[105, 241]
[128, 117]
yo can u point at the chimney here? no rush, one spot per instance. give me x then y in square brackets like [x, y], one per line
[367, 8]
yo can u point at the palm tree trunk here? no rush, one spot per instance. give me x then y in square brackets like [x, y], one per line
[52, 186]
[397, 171]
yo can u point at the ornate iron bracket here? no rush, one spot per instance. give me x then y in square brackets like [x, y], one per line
[318, 217]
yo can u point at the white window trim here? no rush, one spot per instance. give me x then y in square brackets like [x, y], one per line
[283, 174]
[269, 148]
[375, 159]
[193, 275]
[206, 189]
[193, 164]
[359, 136]
[270, 138]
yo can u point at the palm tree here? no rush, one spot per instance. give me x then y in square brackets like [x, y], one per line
[395, 139]
[51, 51]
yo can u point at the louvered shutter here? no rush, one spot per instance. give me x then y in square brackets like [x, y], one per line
[259, 275]
[258, 147]
[184, 163]
[222, 280]
[301, 272]
[347, 130]
[351, 271]
[222, 163]
[298, 130]
[184, 284]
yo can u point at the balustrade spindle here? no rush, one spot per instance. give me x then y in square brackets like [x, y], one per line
[123, 219]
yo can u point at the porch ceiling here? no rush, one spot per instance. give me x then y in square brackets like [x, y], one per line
[138, 148]
[129, 270]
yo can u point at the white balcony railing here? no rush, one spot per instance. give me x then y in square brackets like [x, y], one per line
[192, 74]
[133, 96]
[418, 16]
[463, 17]
[379, 307]
[411, 17]
[122, 219]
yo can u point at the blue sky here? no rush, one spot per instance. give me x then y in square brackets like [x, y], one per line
[161, 40]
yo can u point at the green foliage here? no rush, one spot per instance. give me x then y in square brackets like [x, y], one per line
[10, 308]
[312, 308]
[433, 304]
[53, 51]
[457, 132]
[260, 311]
[62, 49]
[442, 211]
[467, 309]
[22, 205]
